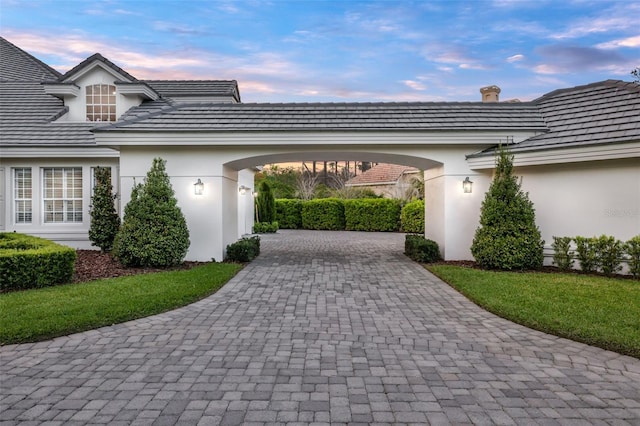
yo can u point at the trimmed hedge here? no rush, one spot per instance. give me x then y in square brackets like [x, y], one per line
[289, 213]
[598, 254]
[372, 214]
[265, 227]
[323, 214]
[243, 250]
[421, 249]
[32, 262]
[412, 217]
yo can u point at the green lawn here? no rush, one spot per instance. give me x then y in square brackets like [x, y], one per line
[39, 314]
[599, 311]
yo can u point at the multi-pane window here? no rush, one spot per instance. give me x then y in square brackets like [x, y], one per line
[101, 102]
[62, 194]
[22, 194]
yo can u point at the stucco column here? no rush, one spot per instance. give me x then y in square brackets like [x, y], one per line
[451, 215]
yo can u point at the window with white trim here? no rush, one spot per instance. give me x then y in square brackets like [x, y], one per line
[22, 194]
[62, 194]
[101, 102]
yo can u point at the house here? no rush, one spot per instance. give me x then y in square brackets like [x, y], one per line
[387, 180]
[577, 150]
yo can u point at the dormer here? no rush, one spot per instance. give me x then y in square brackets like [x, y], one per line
[98, 90]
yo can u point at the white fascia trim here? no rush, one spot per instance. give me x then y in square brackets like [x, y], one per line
[96, 63]
[308, 137]
[567, 155]
[137, 90]
[51, 152]
[59, 90]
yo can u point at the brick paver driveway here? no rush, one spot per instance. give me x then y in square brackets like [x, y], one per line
[326, 327]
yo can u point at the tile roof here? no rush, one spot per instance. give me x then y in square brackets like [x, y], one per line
[18, 65]
[199, 88]
[598, 113]
[332, 116]
[96, 57]
[381, 173]
[27, 112]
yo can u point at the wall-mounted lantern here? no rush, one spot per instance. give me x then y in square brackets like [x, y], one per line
[467, 185]
[243, 189]
[198, 187]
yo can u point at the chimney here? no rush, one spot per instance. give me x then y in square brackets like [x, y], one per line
[490, 93]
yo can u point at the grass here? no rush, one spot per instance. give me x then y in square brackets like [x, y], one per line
[40, 314]
[599, 311]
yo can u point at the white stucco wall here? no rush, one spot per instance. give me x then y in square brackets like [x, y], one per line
[586, 199]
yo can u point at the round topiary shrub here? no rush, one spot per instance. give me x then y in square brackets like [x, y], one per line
[154, 231]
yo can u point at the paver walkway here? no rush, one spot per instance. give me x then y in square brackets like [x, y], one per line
[325, 327]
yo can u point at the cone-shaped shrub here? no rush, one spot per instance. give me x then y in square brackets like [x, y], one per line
[266, 204]
[508, 237]
[154, 231]
[105, 221]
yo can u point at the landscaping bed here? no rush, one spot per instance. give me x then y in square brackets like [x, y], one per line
[93, 264]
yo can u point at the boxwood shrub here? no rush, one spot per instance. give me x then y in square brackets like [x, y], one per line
[265, 227]
[32, 262]
[421, 249]
[412, 217]
[289, 213]
[243, 250]
[323, 214]
[372, 214]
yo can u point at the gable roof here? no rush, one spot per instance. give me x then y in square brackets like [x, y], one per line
[195, 88]
[18, 65]
[332, 116]
[96, 57]
[381, 174]
[605, 112]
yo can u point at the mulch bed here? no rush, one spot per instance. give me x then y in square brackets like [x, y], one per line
[93, 265]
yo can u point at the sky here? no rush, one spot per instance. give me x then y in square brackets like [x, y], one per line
[342, 51]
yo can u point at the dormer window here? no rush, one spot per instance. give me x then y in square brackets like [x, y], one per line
[101, 102]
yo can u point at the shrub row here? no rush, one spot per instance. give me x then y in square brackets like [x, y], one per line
[421, 249]
[604, 253]
[367, 214]
[265, 227]
[32, 262]
[243, 250]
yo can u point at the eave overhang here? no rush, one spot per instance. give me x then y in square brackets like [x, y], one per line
[575, 154]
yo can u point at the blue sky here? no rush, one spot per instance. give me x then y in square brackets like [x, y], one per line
[342, 51]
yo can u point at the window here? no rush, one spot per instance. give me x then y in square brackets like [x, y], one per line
[22, 194]
[101, 102]
[62, 194]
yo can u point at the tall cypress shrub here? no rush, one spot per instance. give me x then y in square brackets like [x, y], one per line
[105, 221]
[154, 231]
[508, 237]
[266, 204]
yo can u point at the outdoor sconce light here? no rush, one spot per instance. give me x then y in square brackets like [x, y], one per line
[243, 189]
[467, 185]
[198, 187]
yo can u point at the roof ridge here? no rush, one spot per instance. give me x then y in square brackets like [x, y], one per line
[610, 82]
[100, 58]
[30, 57]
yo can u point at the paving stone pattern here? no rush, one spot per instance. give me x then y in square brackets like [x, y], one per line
[323, 328]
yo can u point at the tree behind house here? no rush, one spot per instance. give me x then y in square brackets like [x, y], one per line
[266, 204]
[154, 231]
[104, 218]
[508, 237]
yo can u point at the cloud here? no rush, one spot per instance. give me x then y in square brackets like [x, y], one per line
[587, 26]
[625, 42]
[568, 59]
[176, 29]
[515, 58]
[415, 85]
